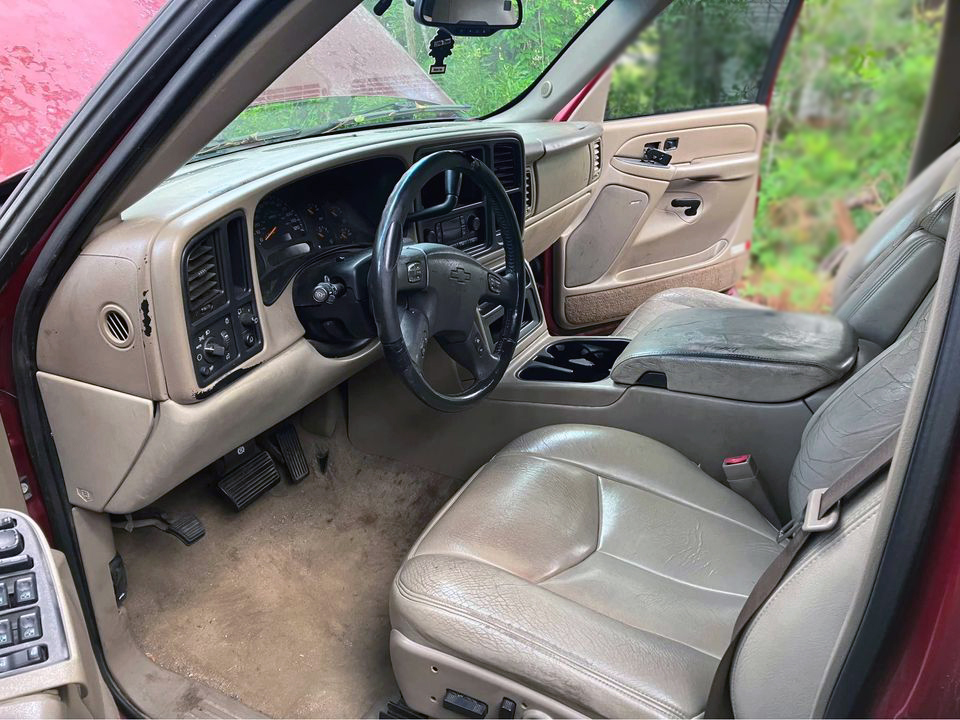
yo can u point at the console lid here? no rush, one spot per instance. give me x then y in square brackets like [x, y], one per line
[741, 353]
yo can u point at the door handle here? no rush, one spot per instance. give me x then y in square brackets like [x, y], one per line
[692, 206]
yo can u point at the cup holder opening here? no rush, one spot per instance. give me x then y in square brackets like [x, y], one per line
[581, 361]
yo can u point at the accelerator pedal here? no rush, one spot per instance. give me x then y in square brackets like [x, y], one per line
[246, 482]
[292, 452]
[185, 527]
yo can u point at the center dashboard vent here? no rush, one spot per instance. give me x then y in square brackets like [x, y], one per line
[506, 165]
[203, 281]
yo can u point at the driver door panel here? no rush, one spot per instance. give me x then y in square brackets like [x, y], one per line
[650, 226]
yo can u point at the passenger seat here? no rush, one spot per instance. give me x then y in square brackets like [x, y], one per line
[883, 278]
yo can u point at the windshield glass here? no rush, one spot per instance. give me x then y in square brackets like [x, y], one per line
[372, 70]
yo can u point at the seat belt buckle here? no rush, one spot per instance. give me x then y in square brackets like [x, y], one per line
[812, 520]
[743, 477]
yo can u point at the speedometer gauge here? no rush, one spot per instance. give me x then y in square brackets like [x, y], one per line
[276, 222]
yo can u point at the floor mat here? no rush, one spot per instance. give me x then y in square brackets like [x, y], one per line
[284, 606]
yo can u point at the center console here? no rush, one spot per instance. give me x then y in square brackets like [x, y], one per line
[740, 354]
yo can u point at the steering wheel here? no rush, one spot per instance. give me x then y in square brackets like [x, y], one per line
[429, 290]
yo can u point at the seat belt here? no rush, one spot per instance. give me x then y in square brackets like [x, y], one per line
[820, 515]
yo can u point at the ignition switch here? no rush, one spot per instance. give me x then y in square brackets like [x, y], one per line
[327, 291]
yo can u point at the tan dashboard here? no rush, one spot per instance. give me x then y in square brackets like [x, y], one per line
[122, 364]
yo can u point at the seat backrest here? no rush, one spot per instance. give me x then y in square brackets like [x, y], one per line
[892, 266]
[785, 650]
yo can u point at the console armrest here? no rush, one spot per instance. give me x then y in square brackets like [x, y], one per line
[740, 353]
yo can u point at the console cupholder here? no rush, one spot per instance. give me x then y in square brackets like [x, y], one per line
[577, 360]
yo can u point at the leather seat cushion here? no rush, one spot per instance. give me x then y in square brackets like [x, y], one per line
[598, 566]
[680, 298]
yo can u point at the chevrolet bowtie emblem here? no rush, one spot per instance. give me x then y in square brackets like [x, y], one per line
[458, 274]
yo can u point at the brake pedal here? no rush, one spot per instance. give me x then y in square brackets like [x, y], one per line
[185, 527]
[246, 482]
[292, 452]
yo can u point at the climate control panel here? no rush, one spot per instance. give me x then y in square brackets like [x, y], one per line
[219, 302]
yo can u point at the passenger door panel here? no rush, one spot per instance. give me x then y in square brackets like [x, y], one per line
[650, 226]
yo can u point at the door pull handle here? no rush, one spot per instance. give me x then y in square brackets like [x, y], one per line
[692, 206]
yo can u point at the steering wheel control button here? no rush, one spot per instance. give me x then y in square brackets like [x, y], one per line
[494, 283]
[11, 542]
[464, 705]
[415, 272]
[29, 625]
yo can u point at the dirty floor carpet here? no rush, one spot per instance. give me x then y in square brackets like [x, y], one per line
[284, 605]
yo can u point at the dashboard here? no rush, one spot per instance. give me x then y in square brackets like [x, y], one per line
[185, 325]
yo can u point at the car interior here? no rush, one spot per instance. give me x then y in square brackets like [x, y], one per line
[458, 417]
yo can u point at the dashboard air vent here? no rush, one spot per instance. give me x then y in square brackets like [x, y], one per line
[506, 166]
[529, 192]
[597, 157]
[115, 326]
[203, 283]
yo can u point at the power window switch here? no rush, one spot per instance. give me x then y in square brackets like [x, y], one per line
[8, 522]
[29, 623]
[4, 596]
[6, 663]
[508, 709]
[15, 564]
[11, 542]
[6, 633]
[25, 590]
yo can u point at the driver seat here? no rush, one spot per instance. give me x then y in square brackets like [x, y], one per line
[592, 571]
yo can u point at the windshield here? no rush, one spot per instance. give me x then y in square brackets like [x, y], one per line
[372, 70]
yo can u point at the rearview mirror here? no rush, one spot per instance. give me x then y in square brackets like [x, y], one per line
[469, 17]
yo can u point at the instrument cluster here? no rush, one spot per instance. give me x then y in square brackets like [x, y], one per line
[328, 214]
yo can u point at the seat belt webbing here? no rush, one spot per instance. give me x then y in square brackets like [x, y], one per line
[718, 701]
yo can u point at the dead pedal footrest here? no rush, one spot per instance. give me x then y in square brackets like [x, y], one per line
[292, 452]
[244, 484]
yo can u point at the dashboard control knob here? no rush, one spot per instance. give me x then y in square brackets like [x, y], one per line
[249, 339]
[431, 236]
[213, 349]
[473, 223]
[247, 319]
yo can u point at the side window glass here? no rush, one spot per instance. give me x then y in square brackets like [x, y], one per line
[697, 54]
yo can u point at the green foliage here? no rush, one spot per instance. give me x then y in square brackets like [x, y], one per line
[696, 54]
[489, 72]
[843, 120]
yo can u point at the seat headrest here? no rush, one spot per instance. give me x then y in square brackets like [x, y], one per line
[936, 219]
